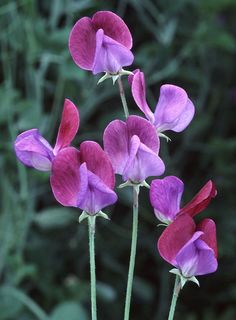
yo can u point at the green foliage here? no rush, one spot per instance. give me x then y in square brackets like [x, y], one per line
[43, 251]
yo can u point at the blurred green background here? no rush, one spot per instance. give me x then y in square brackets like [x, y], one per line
[44, 266]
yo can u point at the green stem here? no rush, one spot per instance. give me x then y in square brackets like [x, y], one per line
[176, 291]
[91, 225]
[123, 98]
[132, 252]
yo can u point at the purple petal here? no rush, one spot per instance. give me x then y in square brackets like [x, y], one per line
[142, 162]
[97, 162]
[172, 102]
[110, 55]
[165, 197]
[145, 131]
[113, 26]
[69, 179]
[207, 262]
[185, 117]
[82, 43]
[68, 127]
[33, 150]
[175, 236]
[98, 195]
[115, 140]
[208, 227]
[138, 89]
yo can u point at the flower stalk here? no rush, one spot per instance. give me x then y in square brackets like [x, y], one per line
[176, 291]
[132, 252]
[123, 98]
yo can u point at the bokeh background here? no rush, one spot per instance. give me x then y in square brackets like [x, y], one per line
[44, 266]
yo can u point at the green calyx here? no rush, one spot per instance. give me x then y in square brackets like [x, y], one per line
[114, 76]
[85, 215]
[184, 279]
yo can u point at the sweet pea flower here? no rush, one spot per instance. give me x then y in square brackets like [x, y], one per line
[191, 248]
[166, 194]
[34, 151]
[101, 43]
[84, 178]
[133, 148]
[174, 110]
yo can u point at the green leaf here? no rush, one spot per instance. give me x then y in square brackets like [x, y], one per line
[69, 310]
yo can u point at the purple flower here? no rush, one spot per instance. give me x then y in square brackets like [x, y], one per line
[166, 194]
[83, 178]
[34, 151]
[191, 249]
[133, 148]
[101, 43]
[174, 110]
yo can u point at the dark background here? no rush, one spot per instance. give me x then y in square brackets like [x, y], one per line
[43, 250]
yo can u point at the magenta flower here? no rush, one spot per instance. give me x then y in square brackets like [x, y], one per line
[34, 151]
[166, 194]
[101, 43]
[84, 178]
[191, 249]
[133, 148]
[174, 110]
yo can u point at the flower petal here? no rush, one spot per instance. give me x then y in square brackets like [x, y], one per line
[138, 89]
[113, 26]
[115, 140]
[208, 227]
[185, 117]
[165, 197]
[68, 127]
[110, 55]
[201, 200]
[171, 104]
[175, 236]
[98, 195]
[33, 150]
[69, 179]
[207, 262]
[82, 43]
[144, 130]
[97, 162]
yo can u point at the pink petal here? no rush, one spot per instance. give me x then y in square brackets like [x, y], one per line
[82, 43]
[33, 150]
[175, 236]
[184, 119]
[69, 179]
[97, 162]
[110, 55]
[201, 200]
[113, 26]
[138, 89]
[98, 195]
[165, 197]
[208, 227]
[145, 131]
[171, 103]
[68, 127]
[115, 140]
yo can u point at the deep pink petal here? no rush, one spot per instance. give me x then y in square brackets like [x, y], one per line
[144, 130]
[175, 236]
[82, 43]
[110, 55]
[165, 197]
[138, 88]
[98, 195]
[97, 162]
[184, 119]
[208, 227]
[115, 140]
[201, 200]
[33, 150]
[171, 103]
[113, 26]
[68, 127]
[69, 179]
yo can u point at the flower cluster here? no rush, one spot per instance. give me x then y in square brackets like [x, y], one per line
[85, 177]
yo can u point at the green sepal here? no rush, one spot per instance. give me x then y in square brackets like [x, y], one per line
[129, 183]
[102, 215]
[84, 215]
[162, 135]
[114, 76]
[184, 279]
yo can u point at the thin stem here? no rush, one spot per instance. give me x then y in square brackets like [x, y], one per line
[91, 225]
[176, 291]
[123, 98]
[132, 252]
